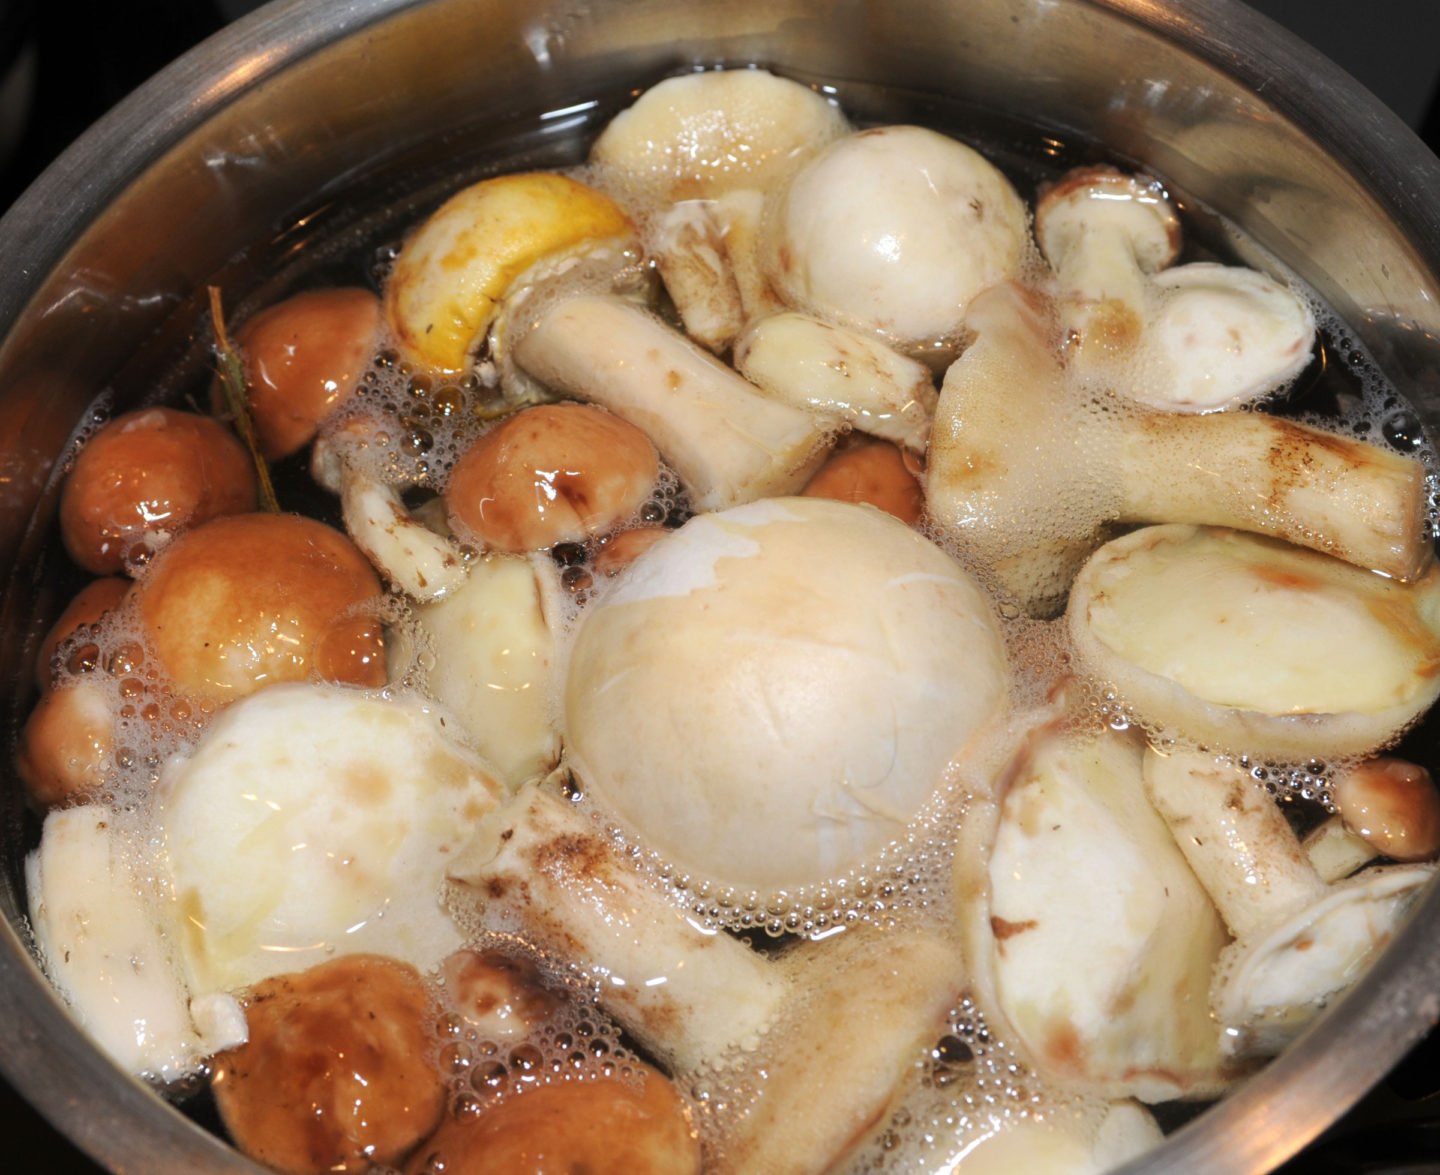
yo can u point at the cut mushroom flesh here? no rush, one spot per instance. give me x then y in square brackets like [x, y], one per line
[1252, 645]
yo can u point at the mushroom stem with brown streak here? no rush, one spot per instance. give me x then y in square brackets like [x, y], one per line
[727, 443]
[869, 1005]
[996, 483]
[1300, 943]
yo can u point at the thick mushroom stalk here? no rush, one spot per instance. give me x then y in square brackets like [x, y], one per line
[691, 142]
[334, 814]
[1249, 644]
[1300, 944]
[870, 1005]
[492, 645]
[771, 694]
[892, 231]
[1087, 931]
[725, 441]
[454, 273]
[1104, 232]
[108, 939]
[543, 871]
[413, 558]
[997, 485]
[844, 376]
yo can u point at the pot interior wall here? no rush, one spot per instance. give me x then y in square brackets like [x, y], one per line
[282, 131]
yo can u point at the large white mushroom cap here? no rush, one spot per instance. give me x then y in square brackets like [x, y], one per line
[772, 693]
[893, 230]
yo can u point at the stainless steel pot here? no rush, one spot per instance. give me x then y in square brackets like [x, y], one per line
[294, 107]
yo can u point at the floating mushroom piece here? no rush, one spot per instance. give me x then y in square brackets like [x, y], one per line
[771, 694]
[1334, 852]
[453, 274]
[1104, 232]
[1252, 645]
[492, 646]
[845, 376]
[869, 1005]
[1300, 943]
[108, 941]
[544, 872]
[335, 813]
[725, 441]
[1029, 513]
[892, 231]
[690, 140]
[1393, 804]
[1086, 931]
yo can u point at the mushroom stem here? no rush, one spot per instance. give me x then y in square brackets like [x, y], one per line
[1356, 501]
[726, 442]
[549, 875]
[1237, 841]
[1335, 852]
[687, 242]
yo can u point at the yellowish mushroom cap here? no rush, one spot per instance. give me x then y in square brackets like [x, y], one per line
[451, 276]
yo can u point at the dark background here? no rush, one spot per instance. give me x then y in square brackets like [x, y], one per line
[64, 62]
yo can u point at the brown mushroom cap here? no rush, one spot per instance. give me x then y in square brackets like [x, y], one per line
[874, 472]
[337, 1074]
[66, 744]
[607, 1126]
[149, 472]
[1394, 805]
[303, 358]
[255, 599]
[551, 474]
[91, 602]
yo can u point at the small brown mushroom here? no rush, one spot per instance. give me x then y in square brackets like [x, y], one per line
[874, 472]
[66, 744]
[1393, 804]
[254, 599]
[304, 358]
[337, 1075]
[143, 478]
[608, 1126]
[91, 603]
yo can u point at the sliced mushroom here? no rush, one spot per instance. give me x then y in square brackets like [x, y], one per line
[491, 644]
[772, 693]
[1300, 944]
[997, 485]
[334, 814]
[844, 376]
[690, 140]
[107, 939]
[1219, 336]
[1334, 852]
[1104, 232]
[892, 231]
[452, 275]
[1087, 934]
[1255, 646]
[726, 442]
[543, 871]
[741, 216]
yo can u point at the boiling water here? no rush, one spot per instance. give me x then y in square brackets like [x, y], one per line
[971, 1079]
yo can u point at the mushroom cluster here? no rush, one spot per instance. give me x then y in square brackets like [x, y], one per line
[801, 619]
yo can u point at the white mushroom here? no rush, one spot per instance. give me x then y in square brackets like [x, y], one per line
[770, 694]
[108, 936]
[689, 141]
[844, 376]
[1104, 232]
[726, 442]
[1087, 933]
[491, 645]
[892, 231]
[417, 560]
[998, 485]
[1334, 852]
[1300, 944]
[315, 820]
[543, 871]
[1255, 646]
[1219, 336]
